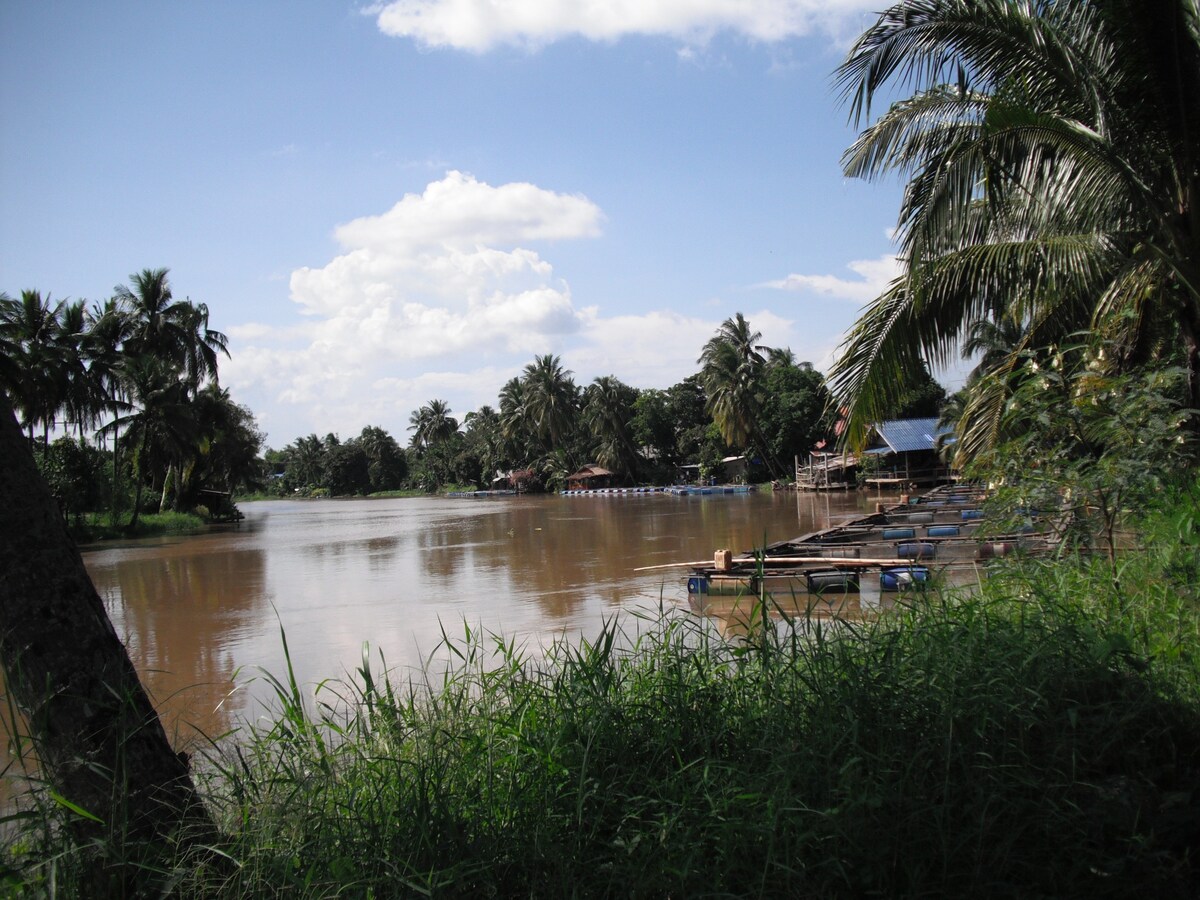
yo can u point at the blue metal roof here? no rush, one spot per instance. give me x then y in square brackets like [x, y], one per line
[906, 435]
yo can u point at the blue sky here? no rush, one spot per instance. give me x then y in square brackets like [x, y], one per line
[383, 205]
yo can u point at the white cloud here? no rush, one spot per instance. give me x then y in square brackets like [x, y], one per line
[445, 278]
[478, 25]
[874, 276]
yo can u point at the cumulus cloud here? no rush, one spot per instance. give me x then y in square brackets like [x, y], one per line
[874, 275]
[445, 278]
[478, 25]
[446, 270]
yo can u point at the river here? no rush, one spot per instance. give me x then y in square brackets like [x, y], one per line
[202, 615]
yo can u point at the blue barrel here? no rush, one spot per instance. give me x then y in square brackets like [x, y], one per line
[895, 534]
[969, 515]
[942, 531]
[832, 581]
[697, 584]
[916, 550]
[903, 577]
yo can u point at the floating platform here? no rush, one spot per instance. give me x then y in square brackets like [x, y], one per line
[696, 490]
[609, 492]
[941, 525]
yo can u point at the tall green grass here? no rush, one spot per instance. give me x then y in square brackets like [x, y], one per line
[1015, 743]
[1040, 737]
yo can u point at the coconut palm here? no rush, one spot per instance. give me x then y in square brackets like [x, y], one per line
[29, 331]
[1053, 175]
[305, 462]
[108, 328]
[514, 421]
[81, 393]
[159, 324]
[432, 424]
[161, 426]
[201, 347]
[551, 399]
[485, 438]
[607, 411]
[175, 330]
[732, 369]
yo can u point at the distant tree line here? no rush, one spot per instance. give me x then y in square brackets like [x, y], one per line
[747, 400]
[138, 373]
[131, 388]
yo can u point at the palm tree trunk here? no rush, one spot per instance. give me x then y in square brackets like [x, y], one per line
[137, 476]
[116, 457]
[170, 489]
[98, 738]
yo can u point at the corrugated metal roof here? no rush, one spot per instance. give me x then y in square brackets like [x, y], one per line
[906, 435]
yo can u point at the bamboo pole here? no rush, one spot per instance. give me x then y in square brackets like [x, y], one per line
[832, 562]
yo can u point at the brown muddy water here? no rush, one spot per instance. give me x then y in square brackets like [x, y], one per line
[202, 615]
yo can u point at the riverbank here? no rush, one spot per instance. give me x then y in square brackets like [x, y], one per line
[99, 527]
[1038, 738]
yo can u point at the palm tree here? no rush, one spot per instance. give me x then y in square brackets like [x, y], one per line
[732, 370]
[732, 367]
[159, 324]
[485, 437]
[514, 420]
[551, 399]
[608, 411]
[161, 424]
[1053, 173]
[783, 356]
[81, 394]
[305, 461]
[108, 328]
[432, 424]
[175, 330]
[202, 344]
[29, 330]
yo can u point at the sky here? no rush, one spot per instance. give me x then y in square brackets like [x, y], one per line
[387, 204]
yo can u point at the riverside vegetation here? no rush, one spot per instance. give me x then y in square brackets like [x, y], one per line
[1040, 737]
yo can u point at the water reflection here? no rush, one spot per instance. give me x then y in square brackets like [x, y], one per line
[200, 615]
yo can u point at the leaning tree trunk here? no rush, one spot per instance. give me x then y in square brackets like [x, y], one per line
[100, 742]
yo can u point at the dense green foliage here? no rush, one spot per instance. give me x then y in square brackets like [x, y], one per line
[1053, 174]
[139, 371]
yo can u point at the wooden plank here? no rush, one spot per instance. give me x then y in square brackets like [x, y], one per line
[829, 562]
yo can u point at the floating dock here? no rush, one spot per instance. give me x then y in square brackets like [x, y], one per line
[896, 546]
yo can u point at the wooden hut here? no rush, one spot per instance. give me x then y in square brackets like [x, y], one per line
[904, 452]
[589, 478]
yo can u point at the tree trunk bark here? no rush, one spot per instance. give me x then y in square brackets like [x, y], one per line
[138, 462]
[100, 742]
